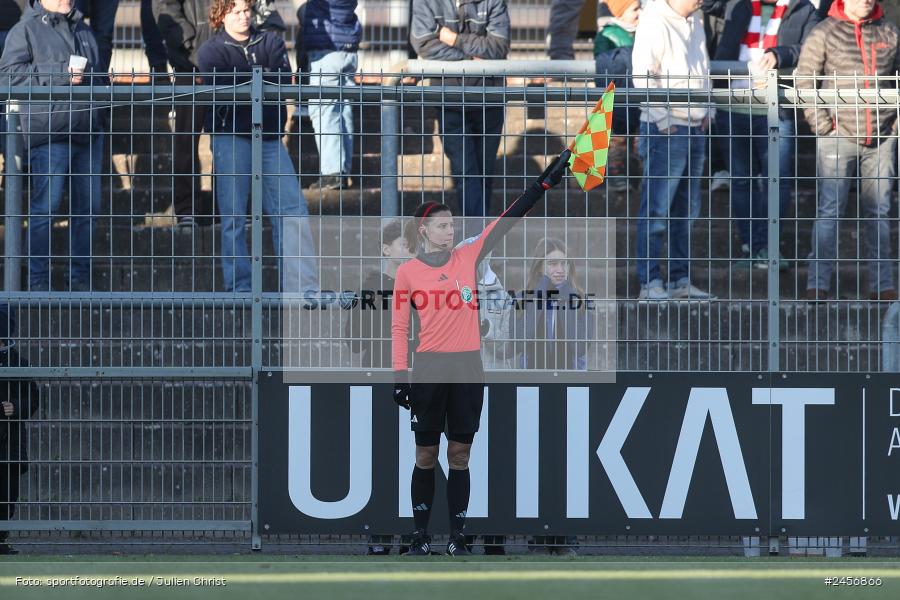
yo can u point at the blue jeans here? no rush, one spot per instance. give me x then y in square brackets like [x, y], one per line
[153, 41]
[51, 165]
[839, 160]
[746, 152]
[471, 138]
[332, 120]
[102, 17]
[283, 203]
[670, 198]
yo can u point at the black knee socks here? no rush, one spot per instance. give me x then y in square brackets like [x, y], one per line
[458, 498]
[422, 492]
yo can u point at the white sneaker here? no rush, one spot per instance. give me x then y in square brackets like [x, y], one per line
[686, 291]
[721, 180]
[653, 291]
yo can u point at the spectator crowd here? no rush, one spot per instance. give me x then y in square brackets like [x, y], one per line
[662, 44]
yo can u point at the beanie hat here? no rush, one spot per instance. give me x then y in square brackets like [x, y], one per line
[618, 7]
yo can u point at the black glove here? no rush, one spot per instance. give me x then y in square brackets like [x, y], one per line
[402, 389]
[553, 174]
[401, 394]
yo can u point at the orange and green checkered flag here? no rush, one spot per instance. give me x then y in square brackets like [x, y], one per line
[591, 145]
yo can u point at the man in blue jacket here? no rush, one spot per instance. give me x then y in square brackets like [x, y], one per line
[465, 30]
[63, 138]
[331, 36]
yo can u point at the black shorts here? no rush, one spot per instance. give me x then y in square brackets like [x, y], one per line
[447, 392]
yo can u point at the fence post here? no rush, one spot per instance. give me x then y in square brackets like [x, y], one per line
[774, 220]
[390, 202]
[12, 259]
[256, 191]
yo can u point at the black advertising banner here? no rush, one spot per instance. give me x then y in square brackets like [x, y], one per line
[665, 454]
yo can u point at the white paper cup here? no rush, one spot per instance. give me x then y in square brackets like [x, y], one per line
[77, 63]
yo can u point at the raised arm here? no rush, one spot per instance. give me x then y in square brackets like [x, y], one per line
[500, 226]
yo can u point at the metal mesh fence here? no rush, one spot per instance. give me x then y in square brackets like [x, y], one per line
[153, 218]
[131, 282]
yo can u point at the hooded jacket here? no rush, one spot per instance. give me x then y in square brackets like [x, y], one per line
[670, 52]
[224, 56]
[37, 53]
[331, 25]
[839, 46]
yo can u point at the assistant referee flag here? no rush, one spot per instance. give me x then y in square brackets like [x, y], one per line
[591, 145]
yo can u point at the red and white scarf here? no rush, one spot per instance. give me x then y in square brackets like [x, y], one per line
[754, 44]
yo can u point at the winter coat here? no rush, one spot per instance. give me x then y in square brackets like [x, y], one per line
[36, 54]
[839, 45]
[223, 56]
[482, 25]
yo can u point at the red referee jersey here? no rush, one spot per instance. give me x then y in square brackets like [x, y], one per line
[445, 299]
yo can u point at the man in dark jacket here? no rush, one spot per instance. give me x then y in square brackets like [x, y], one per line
[184, 25]
[18, 401]
[855, 139]
[234, 50]
[331, 36]
[9, 16]
[64, 138]
[764, 34]
[464, 30]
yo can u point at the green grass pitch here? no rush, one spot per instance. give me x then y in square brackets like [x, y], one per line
[436, 578]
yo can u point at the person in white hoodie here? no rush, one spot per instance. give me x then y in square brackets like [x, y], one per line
[670, 52]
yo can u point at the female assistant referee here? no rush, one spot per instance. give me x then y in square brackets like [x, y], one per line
[447, 389]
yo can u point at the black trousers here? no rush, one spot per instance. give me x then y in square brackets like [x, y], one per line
[9, 493]
[189, 119]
